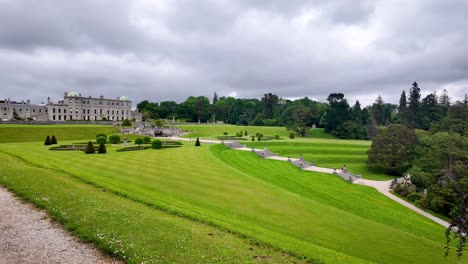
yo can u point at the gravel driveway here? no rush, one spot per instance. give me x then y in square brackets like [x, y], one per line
[28, 236]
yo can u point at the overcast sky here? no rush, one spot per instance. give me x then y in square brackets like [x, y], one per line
[168, 50]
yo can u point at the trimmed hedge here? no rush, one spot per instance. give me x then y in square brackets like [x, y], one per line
[101, 139]
[102, 148]
[156, 144]
[114, 139]
[146, 140]
[138, 141]
[133, 148]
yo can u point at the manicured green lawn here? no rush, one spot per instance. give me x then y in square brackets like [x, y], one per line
[308, 214]
[327, 153]
[127, 229]
[211, 131]
[29, 133]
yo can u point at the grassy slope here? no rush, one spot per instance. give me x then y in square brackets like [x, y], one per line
[307, 213]
[30, 133]
[323, 148]
[127, 229]
[327, 153]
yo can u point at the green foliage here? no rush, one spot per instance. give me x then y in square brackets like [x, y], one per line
[138, 141]
[413, 197]
[245, 133]
[102, 148]
[90, 148]
[277, 137]
[158, 123]
[146, 140]
[126, 123]
[253, 137]
[101, 139]
[197, 142]
[47, 141]
[225, 133]
[101, 135]
[53, 140]
[104, 118]
[156, 144]
[391, 149]
[134, 148]
[350, 130]
[291, 135]
[114, 139]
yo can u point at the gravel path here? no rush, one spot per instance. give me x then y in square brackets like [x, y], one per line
[28, 236]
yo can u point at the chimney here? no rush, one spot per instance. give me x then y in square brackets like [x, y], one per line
[28, 102]
[48, 100]
[65, 95]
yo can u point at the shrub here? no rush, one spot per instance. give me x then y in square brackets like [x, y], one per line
[245, 133]
[197, 142]
[114, 139]
[277, 137]
[413, 197]
[146, 140]
[156, 144]
[101, 139]
[259, 138]
[253, 138]
[104, 118]
[138, 141]
[241, 134]
[126, 122]
[291, 135]
[47, 141]
[102, 148]
[101, 135]
[225, 133]
[53, 140]
[90, 148]
[135, 148]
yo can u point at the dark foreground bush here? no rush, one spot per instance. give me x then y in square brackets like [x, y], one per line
[102, 148]
[114, 139]
[291, 135]
[53, 140]
[146, 140]
[156, 144]
[90, 148]
[47, 141]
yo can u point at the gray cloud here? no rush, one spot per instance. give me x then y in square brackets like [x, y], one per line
[169, 50]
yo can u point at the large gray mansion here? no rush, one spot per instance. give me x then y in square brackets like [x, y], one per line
[72, 107]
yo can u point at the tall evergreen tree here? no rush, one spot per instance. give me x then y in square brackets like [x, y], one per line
[402, 108]
[215, 98]
[378, 110]
[357, 112]
[444, 103]
[414, 105]
[429, 111]
[337, 113]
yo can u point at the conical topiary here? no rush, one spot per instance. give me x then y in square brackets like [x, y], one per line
[47, 141]
[102, 148]
[90, 148]
[197, 143]
[53, 140]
